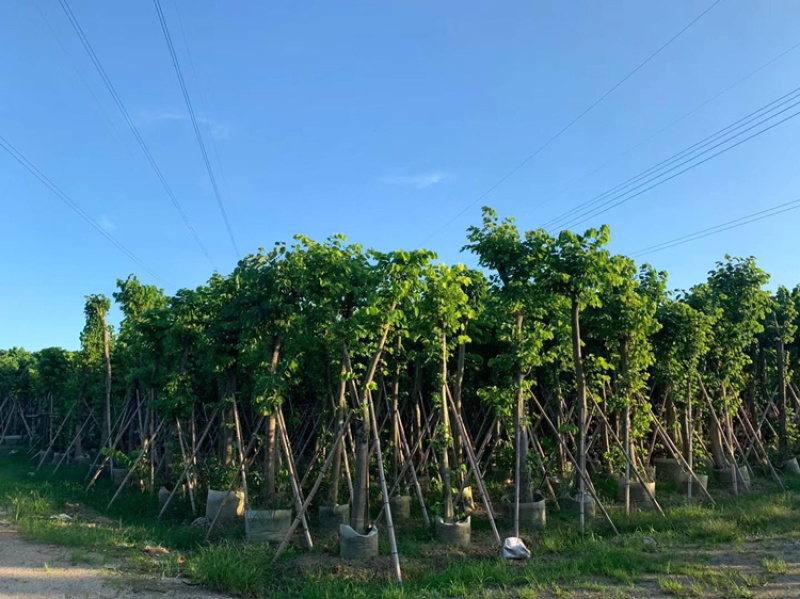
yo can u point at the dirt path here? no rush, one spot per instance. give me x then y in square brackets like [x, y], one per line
[31, 570]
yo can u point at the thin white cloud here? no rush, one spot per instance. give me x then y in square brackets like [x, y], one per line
[105, 222]
[153, 117]
[419, 181]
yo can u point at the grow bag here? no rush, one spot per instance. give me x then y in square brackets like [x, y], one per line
[573, 505]
[530, 514]
[12, 440]
[118, 475]
[668, 470]
[723, 476]
[683, 487]
[233, 508]
[457, 533]
[401, 507]
[354, 547]
[264, 526]
[639, 495]
[791, 466]
[332, 516]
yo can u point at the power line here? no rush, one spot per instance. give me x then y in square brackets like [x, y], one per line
[620, 199]
[193, 116]
[672, 123]
[121, 106]
[706, 141]
[19, 157]
[739, 222]
[569, 125]
[209, 129]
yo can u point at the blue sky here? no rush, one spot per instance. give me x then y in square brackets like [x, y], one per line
[380, 120]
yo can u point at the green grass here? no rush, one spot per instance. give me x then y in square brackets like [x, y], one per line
[774, 565]
[562, 559]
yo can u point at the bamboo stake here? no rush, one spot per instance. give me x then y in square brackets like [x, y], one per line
[242, 464]
[407, 458]
[66, 453]
[387, 508]
[314, 489]
[545, 477]
[119, 422]
[132, 469]
[297, 492]
[189, 463]
[189, 482]
[629, 462]
[584, 477]
[757, 443]
[678, 456]
[487, 502]
[25, 422]
[107, 458]
[53, 441]
[239, 471]
[409, 464]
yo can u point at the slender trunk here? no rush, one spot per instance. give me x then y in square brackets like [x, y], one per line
[360, 509]
[395, 398]
[341, 412]
[271, 441]
[447, 488]
[360, 499]
[106, 426]
[458, 385]
[717, 450]
[783, 439]
[581, 387]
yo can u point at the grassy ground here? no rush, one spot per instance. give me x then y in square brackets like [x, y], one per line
[696, 548]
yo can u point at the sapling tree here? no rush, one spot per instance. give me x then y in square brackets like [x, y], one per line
[519, 308]
[626, 320]
[446, 307]
[680, 346]
[399, 275]
[578, 268]
[781, 324]
[96, 352]
[735, 298]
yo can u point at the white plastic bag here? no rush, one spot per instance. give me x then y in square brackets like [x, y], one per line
[514, 548]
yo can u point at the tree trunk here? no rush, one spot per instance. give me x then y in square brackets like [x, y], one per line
[783, 439]
[341, 413]
[580, 380]
[521, 432]
[458, 385]
[271, 441]
[360, 509]
[717, 450]
[360, 499]
[447, 488]
[395, 399]
[106, 426]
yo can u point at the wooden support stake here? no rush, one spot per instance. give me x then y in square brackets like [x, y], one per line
[53, 441]
[314, 489]
[189, 482]
[487, 501]
[132, 469]
[588, 483]
[629, 462]
[188, 464]
[387, 508]
[297, 492]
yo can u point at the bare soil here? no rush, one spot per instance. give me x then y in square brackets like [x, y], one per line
[31, 570]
